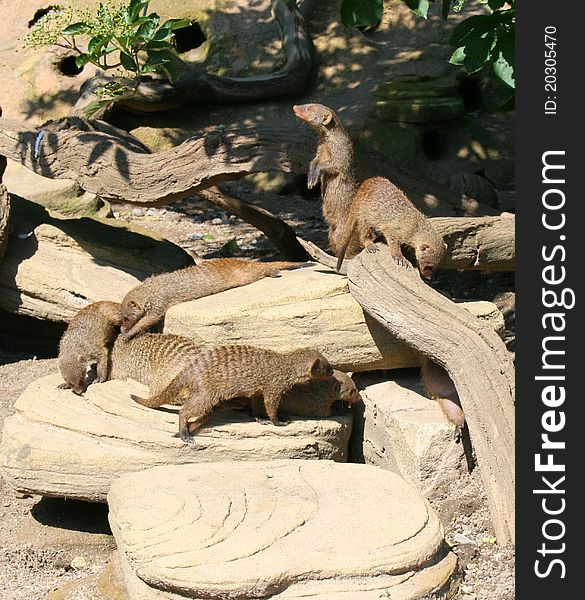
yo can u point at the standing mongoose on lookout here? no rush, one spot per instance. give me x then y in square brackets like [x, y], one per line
[87, 341]
[441, 388]
[153, 359]
[227, 372]
[146, 304]
[377, 210]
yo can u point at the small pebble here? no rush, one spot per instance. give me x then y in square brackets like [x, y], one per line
[465, 589]
[116, 214]
[138, 212]
[163, 211]
[459, 538]
[194, 236]
[78, 563]
[216, 221]
[151, 212]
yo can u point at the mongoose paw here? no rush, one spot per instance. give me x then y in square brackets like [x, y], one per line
[63, 386]
[457, 433]
[372, 249]
[278, 423]
[401, 261]
[186, 436]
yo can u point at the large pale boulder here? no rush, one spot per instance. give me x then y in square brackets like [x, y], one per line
[58, 444]
[53, 267]
[278, 529]
[405, 432]
[309, 307]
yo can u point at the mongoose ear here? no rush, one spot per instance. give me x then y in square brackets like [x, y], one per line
[133, 304]
[424, 247]
[320, 368]
[445, 246]
[327, 118]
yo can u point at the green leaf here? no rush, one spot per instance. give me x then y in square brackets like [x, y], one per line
[82, 60]
[96, 43]
[472, 27]
[361, 13]
[154, 45]
[147, 30]
[128, 62]
[164, 33]
[446, 8]
[458, 56]
[75, 28]
[135, 7]
[504, 71]
[208, 237]
[230, 247]
[169, 71]
[478, 52]
[159, 57]
[419, 7]
[173, 24]
[94, 106]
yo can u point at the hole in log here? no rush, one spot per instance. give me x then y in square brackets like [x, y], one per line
[69, 67]
[190, 37]
[434, 144]
[40, 14]
[471, 92]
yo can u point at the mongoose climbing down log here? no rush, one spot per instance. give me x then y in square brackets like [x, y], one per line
[377, 210]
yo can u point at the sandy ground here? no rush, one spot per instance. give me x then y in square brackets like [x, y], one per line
[54, 544]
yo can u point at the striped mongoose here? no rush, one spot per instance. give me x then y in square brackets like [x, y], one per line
[146, 304]
[227, 372]
[86, 342]
[375, 211]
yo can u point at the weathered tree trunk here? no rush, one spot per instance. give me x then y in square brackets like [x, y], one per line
[4, 210]
[194, 84]
[473, 355]
[474, 243]
[275, 229]
[120, 169]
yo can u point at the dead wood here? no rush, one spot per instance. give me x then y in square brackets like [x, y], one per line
[195, 84]
[474, 356]
[117, 167]
[474, 243]
[4, 210]
[276, 230]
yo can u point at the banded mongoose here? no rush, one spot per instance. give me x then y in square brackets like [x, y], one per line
[441, 388]
[146, 304]
[153, 359]
[377, 210]
[86, 342]
[227, 372]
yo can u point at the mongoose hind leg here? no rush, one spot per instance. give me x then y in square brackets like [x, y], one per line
[271, 405]
[102, 367]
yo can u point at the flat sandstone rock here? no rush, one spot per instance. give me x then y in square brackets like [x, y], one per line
[278, 529]
[60, 444]
[309, 307]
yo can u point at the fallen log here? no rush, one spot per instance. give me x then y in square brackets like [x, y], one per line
[117, 167]
[473, 243]
[474, 356]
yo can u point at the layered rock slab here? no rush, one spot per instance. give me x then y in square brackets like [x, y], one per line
[310, 307]
[405, 432]
[278, 529]
[59, 444]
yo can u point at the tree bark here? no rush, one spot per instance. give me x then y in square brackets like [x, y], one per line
[474, 243]
[122, 169]
[194, 84]
[276, 230]
[474, 356]
[4, 210]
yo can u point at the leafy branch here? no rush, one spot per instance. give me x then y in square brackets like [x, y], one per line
[478, 40]
[123, 37]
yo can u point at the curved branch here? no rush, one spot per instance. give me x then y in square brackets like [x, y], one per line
[276, 230]
[195, 84]
[474, 356]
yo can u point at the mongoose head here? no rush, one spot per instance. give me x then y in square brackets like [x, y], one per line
[429, 256]
[132, 312]
[318, 116]
[73, 370]
[348, 391]
[318, 366]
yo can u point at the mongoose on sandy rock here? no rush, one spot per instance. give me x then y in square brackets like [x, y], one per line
[153, 359]
[87, 341]
[333, 167]
[316, 398]
[146, 304]
[376, 210]
[441, 388]
[227, 372]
